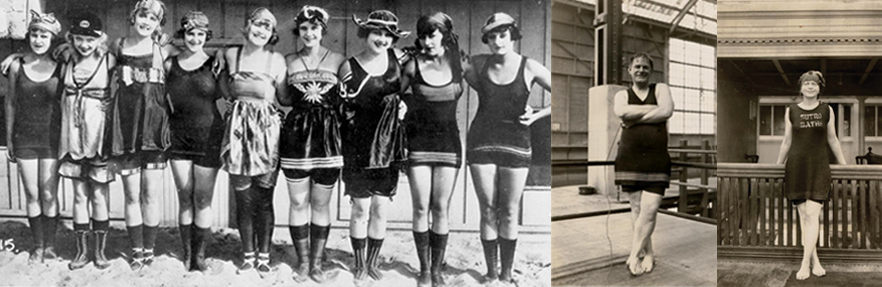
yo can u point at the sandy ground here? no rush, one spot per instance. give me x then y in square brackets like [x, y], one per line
[465, 262]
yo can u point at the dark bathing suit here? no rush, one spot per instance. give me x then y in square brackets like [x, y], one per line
[197, 127]
[807, 171]
[643, 162]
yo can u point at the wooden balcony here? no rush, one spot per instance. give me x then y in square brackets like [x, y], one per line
[755, 220]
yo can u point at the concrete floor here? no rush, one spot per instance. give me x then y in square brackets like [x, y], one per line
[781, 274]
[584, 253]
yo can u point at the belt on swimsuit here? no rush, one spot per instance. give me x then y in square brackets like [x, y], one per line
[79, 95]
[130, 75]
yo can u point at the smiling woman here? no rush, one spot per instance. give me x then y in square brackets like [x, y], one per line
[499, 147]
[254, 79]
[32, 131]
[196, 130]
[372, 134]
[808, 133]
[310, 145]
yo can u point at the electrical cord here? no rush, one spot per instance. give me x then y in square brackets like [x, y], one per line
[616, 140]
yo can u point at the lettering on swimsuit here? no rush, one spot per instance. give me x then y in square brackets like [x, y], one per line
[812, 120]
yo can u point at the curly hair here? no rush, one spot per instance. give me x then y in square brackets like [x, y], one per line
[100, 49]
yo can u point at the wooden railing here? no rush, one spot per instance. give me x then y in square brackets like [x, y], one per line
[753, 213]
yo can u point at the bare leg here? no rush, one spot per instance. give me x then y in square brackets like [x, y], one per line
[319, 201]
[647, 254]
[634, 201]
[644, 226]
[81, 201]
[358, 222]
[28, 170]
[420, 178]
[203, 193]
[298, 191]
[443, 182]
[132, 188]
[648, 258]
[817, 270]
[377, 220]
[49, 186]
[182, 171]
[484, 177]
[151, 191]
[811, 211]
[99, 193]
[511, 188]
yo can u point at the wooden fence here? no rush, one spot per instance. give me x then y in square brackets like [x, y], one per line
[755, 219]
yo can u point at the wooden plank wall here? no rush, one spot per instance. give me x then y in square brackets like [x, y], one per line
[227, 18]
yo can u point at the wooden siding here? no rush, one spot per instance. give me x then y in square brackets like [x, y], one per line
[227, 19]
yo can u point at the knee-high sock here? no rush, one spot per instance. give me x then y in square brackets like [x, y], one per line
[245, 218]
[36, 226]
[136, 236]
[266, 219]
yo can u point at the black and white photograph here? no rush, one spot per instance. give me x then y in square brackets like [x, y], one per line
[799, 181]
[269, 142]
[634, 138]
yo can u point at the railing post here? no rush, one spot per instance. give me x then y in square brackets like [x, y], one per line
[705, 145]
[684, 175]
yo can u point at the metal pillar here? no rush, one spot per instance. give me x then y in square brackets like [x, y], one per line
[608, 22]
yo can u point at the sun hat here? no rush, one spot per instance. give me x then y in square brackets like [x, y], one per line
[383, 20]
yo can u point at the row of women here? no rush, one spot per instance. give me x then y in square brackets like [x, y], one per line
[130, 108]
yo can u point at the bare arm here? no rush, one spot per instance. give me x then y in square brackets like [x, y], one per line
[223, 79]
[832, 141]
[10, 104]
[282, 86]
[628, 112]
[408, 74]
[166, 65]
[345, 75]
[665, 107]
[470, 72]
[542, 76]
[6, 64]
[169, 50]
[280, 74]
[788, 138]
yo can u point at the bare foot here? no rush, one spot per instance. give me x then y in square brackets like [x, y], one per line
[647, 263]
[819, 271]
[634, 266]
[803, 272]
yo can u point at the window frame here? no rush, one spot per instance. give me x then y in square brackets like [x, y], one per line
[681, 110]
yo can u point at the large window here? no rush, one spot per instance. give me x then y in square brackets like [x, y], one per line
[873, 121]
[692, 77]
[771, 119]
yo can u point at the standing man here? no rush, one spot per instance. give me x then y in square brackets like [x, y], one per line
[643, 166]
